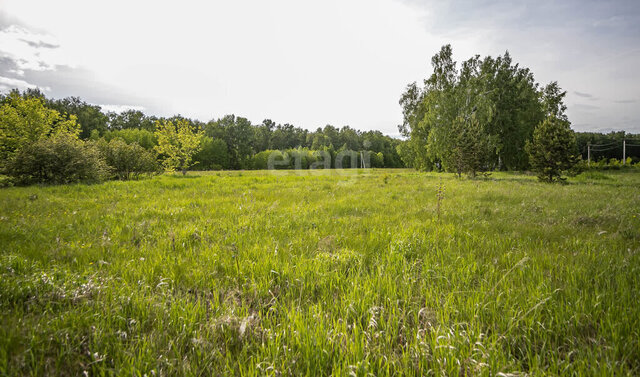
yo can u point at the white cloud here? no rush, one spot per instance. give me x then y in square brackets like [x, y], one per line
[30, 51]
[7, 83]
[308, 64]
[313, 63]
[119, 108]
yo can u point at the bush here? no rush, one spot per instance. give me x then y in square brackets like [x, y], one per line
[128, 160]
[270, 159]
[59, 159]
[615, 164]
[5, 181]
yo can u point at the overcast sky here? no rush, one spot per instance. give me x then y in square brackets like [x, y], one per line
[311, 63]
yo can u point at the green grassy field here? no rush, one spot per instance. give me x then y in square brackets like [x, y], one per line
[249, 273]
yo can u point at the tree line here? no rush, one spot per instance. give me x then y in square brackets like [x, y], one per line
[32, 126]
[487, 114]
[609, 146]
[482, 115]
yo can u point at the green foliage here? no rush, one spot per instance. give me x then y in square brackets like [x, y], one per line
[409, 153]
[608, 146]
[592, 175]
[5, 181]
[553, 149]
[128, 160]
[470, 151]
[89, 117]
[501, 96]
[241, 138]
[59, 159]
[146, 139]
[177, 142]
[608, 164]
[300, 158]
[376, 160]
[260, 160]
[213, 154]
[238, 134]
[553, 102]
[24, 120]
[516, 109]
[131, 119]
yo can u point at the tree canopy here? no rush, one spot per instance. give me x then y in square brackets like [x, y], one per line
[177, 142]
[493, 99]
[26, 119]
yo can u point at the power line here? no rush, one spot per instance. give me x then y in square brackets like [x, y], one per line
[604, 149]
[604, 145]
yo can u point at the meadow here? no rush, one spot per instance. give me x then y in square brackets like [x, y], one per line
[322, 273]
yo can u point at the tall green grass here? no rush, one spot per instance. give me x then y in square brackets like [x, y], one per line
[265, 273]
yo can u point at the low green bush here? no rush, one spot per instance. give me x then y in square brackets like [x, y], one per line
[5, 181]
[60, 159]
[128, 160]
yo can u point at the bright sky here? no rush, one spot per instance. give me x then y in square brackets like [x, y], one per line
[311, 63]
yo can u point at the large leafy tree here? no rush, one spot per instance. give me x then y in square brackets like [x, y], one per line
[438, 118]
[131, 119]
[24, 119]
[89, 117]
[213, 154]
[263, 135]
[177, 142]
[237, 132]
[514, 96]
[502, 98]
[285, 136]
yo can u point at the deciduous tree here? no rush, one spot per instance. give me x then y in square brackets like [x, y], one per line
[25, 120]
[177, 142]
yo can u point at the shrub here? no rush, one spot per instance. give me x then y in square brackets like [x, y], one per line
[128, 160]
[59, 159]
[271, 159]
[5, 181]
[615, 164]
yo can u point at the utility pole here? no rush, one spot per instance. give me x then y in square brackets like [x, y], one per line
[624, 151]
[589, 154]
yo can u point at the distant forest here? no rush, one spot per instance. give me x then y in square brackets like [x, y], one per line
[233, 142]
[230, 142]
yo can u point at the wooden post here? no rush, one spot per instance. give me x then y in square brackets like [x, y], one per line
[589, 154]
[624, 151]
